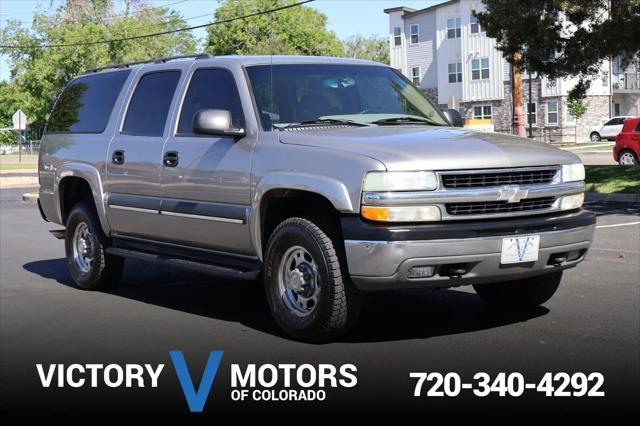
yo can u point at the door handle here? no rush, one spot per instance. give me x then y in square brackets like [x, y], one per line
[118, 157]
[170, 159]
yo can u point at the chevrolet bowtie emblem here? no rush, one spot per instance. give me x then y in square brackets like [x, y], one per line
[512, 194]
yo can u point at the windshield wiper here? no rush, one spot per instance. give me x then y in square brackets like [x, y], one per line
[321, 121]
[406, 120]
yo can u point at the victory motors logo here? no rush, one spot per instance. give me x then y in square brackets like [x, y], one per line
[254, 382]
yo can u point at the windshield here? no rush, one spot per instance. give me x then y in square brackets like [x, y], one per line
[349, 93]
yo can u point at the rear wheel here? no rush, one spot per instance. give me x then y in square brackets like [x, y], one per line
[526, 293]
[90, 267]
[628, 158]
[306, 283]
[595, 137]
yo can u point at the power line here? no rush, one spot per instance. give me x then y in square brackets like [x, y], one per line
[90, 43]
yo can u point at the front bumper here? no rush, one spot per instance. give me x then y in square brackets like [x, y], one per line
[379, 256]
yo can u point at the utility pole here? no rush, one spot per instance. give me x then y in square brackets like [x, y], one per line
[530, 103]
[518, 110]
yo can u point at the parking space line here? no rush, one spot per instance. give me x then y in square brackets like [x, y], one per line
[615, 225]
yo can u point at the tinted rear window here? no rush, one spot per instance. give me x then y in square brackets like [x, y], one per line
[150, 103]
[86, 103]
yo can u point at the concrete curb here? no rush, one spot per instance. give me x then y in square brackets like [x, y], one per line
[612, 198]
[30, 197]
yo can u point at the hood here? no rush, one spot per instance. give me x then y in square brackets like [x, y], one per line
[432, 148]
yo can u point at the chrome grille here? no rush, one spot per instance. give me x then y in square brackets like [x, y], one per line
[493, 178]
[495, 207]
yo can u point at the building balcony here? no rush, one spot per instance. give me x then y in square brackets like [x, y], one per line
[628, 82]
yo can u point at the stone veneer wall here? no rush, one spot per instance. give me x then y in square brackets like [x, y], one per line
[597, 110]
[431, 93]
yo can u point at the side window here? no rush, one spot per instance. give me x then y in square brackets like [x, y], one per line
[149, 105]
[637, 127]
[86, 104]
[612, 122]
[210, 89]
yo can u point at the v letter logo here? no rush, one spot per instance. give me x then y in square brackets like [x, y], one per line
[196, 398]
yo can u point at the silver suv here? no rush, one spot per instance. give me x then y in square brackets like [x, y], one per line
[324, 177]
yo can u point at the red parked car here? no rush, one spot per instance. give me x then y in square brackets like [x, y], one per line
[627, 148]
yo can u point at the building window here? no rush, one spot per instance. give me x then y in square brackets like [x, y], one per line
[569, 119]
[453, 28]
[397, 36]
[480, 69]
[475, 25]
[415, 75]
[482, 111]
[616, 109]
[414, 34]
[552, 113]
[532, 113]
[455, 73]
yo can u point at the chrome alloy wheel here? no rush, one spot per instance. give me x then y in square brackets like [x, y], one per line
[627, 159]
[298, 281]
[83, 247]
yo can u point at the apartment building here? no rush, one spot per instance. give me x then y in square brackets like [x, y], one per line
[444, 51]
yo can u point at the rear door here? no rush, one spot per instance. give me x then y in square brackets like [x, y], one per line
[206, 180]
[134, 158]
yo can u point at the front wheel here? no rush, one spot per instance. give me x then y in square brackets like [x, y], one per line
[306, 283]
[628, 158]
[90, 267]
[526, 293]
[595, 137]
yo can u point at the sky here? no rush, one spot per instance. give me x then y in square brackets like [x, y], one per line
[345, 17]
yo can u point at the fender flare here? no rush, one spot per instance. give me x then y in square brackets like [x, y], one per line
[332, 189]
[92, 176]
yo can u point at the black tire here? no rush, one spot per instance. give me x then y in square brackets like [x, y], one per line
[595, 137]
[339, 302]
[628, 152]
[526, 293]
[105, 270]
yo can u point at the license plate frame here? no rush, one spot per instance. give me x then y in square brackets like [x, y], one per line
[520, 249]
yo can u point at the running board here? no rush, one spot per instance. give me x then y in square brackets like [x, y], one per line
[185, 263]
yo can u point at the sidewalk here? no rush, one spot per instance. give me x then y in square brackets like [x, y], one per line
[16, 174]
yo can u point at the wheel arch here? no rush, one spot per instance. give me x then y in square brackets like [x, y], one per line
[284, 195]
[79, 181]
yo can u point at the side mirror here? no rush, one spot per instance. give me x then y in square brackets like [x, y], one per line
[454, 117]
[215, 122]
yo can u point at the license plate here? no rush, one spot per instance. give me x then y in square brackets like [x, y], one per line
[520, 249]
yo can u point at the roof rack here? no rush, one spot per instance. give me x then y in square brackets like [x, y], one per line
[150, 61]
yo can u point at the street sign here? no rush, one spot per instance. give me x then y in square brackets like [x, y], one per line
[19, 120]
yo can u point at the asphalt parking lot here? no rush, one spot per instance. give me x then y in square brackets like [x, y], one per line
[592, 324]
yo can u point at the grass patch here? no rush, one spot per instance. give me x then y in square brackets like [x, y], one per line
[610, 179]
[19, 166]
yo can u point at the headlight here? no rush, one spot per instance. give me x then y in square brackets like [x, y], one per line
[571, 202]
[400, 181]
[572, 172]
[401, 214]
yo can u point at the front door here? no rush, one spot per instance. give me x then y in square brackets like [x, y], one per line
[206, 179]
[133, 165]
[612, 127]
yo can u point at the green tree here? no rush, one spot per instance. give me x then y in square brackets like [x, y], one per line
[373, 48]
[561, 38]
[296, 31]
[37, 75]
[577, 108]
